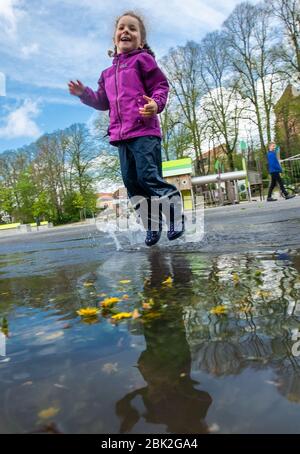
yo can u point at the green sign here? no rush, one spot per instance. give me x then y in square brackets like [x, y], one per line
[218, 166]
[243, 145]
[177, 167]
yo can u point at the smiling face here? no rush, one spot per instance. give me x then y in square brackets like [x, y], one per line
[128, 35]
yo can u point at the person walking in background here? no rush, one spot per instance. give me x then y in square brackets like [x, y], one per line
[135, 90]
[275, 170]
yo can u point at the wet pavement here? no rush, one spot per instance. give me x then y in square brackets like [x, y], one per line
[209, 342]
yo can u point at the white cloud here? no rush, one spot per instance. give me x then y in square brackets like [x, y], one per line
[44, 99]
[20, 122]
[69, 38]
[9, 15]
[31, 49]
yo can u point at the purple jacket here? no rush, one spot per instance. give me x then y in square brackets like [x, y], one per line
[120, 90]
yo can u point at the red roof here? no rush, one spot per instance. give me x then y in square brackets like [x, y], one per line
[105, 195]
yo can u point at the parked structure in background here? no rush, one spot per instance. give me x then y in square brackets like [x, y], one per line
[105, 200]
[110, 203]
[178, 172]
[291, 173]
[213, 158]
[287, 126]
[217, 188]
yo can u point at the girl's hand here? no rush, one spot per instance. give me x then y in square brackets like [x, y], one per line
[149, 109]
[76, 88]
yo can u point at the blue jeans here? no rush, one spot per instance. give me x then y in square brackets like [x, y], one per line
[141, 168]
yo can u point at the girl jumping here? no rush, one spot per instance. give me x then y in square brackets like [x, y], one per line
[135, 90]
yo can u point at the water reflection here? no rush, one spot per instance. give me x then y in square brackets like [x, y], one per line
[169, 397]
[216, 326]
[261, 301]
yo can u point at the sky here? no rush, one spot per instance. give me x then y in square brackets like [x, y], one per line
[45, 43]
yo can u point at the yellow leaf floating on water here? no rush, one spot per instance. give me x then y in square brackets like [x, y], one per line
[168, 281]
[263, 293]
[218, 310]
[4, 331]
[88, 284]
[48, 413]
[125, 281]
[88, 312]
[109, 301]
[150, 315]
[135, 314]
[246, 309]
[243, 306]
[122, 315]
[236, 278]
[92, 320]
[125, 297]
[148, 304]
[4, 327]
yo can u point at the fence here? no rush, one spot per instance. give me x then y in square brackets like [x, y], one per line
[291, 170]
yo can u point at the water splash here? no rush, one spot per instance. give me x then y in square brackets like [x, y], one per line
[128, 233]
[108, 227]
[124, 229]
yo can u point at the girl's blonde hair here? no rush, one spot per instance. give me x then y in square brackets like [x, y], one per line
[113, 53]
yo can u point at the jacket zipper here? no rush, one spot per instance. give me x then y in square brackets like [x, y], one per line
[117, 91]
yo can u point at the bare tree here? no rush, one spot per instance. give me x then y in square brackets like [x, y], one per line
[168, 121]
[176, 136]
[222, 105]
[251, 44]
[82, 152]
[182, 68]
[288, 13]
